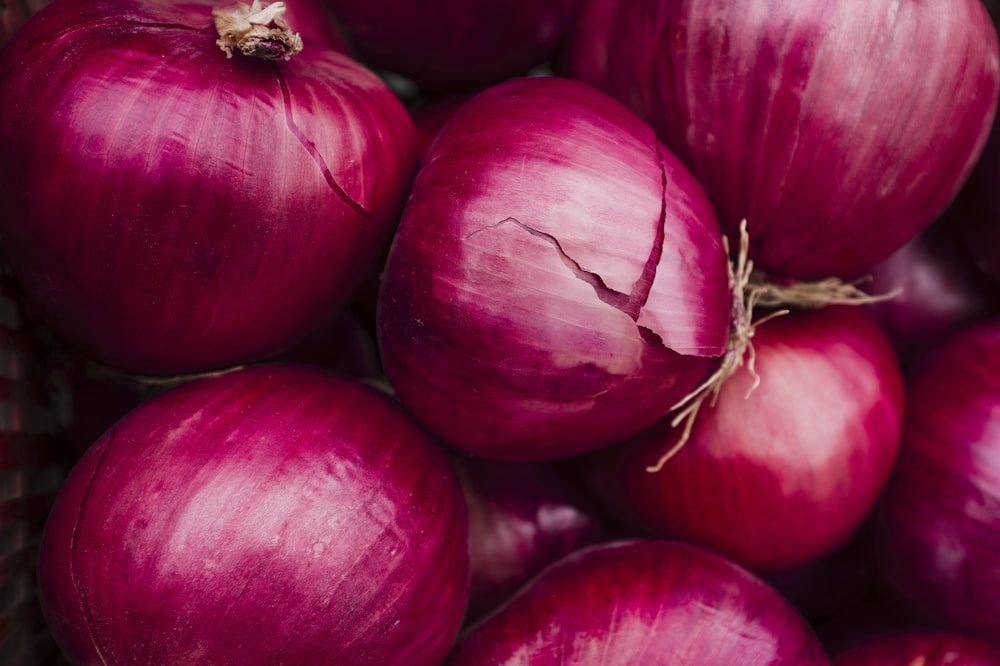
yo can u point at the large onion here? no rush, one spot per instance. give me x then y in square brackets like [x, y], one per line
[939, 521]
[171, 209]
[655, 603]
[836, 129]
[558, 279]
[783, 471]
[275, 515]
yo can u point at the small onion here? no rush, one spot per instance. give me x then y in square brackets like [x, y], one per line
[455, 45]
[172, 210]
[274, 515]
[642, 602]
[939, 520]
[837, 129]
[783, 471]
[558, 280]
[923, 648]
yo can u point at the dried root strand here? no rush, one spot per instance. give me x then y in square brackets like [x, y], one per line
[256, 30]
[749, 293]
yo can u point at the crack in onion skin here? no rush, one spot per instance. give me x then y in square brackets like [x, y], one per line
[227, 206]
[279, 514]
[794, 454]
[567, 330]
[837, 129]
[655, 603]
[938, 524]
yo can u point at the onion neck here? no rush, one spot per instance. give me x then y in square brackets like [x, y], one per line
[256, 31]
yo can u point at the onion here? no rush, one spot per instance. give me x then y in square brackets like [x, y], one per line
[557, 280]
[522, 517]
[270, 515]
[939, 520]
[786, 470]
[455, 45]
[227, 206]
[642, 602]
[14, 13]
[838, 130]
[925, 648]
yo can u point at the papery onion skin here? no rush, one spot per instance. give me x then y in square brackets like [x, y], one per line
[171, 210]
[939, 520]
[557, 280]
[271, 515]
[923, 648]
[642, 602]
[838, 130]
[447, 46]
[784, 471]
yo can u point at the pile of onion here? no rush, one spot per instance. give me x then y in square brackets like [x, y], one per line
[271, 515]
[173, 205]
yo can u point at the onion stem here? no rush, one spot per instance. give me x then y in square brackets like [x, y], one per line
[256, 30]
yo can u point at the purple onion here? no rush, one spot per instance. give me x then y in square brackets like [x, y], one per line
[558, 280]
[172, 210]
[939, 520]
[642, 602]
[271, 515]
[838, 130]
[923, 648]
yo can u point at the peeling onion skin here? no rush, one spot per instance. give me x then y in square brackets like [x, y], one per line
[939, 520]
[538, 203]
[642, 602]
[921, 648]
[779, 476]
[837, 129]
[258, 518]
[228, 206]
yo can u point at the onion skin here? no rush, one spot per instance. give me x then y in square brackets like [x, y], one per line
[939, 520]
[837, 130]
[642, 602]
[448, 46]
[227, 206]
[778, 475]
[921, 648]
[557, 280]
[274, 515]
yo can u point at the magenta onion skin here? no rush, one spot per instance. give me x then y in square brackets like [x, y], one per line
[522, 517]
[448, 46]
[645, 602]
[939, 520]
[837, 131]
[278, 514]
[777, 475]
[557, 280]
[923, 648]
[170, 210]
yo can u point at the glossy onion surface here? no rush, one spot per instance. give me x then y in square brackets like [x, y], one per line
[558, 279]
[172, 210]
[836, 129]
[939, 522]
[781, 472]
[656, 603]
[275, 515]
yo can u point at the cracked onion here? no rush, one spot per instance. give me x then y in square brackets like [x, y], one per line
[558, 279]
[273, 515]
[228, 205]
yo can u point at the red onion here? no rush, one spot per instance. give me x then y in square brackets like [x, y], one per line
[171, 209]
[522, 517]
[922, 648]
[838, 130]
[939, 520]
[557, 281]
[642, 602]
[452, 45]
[784, 471]
[269, 515]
